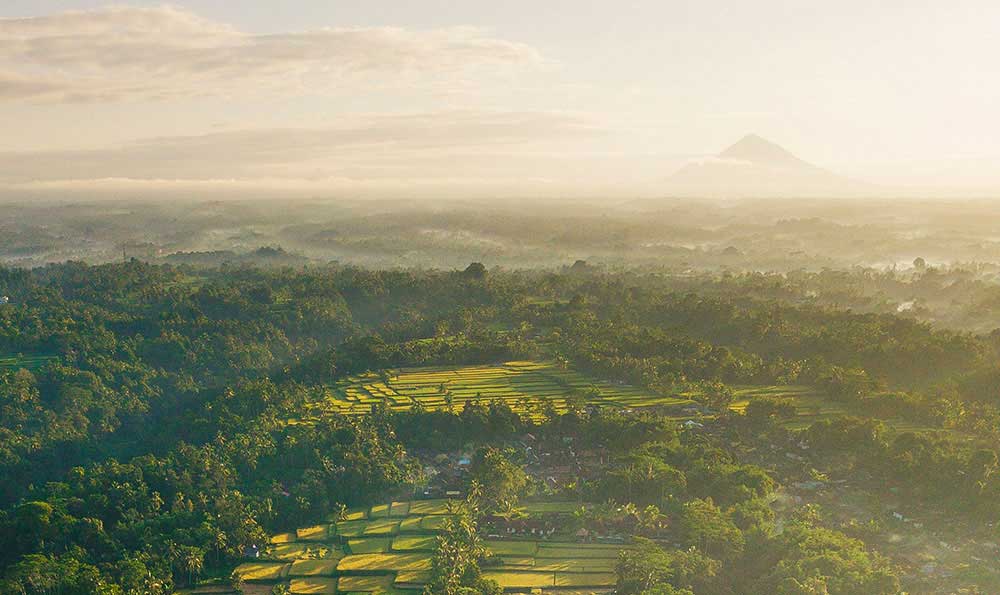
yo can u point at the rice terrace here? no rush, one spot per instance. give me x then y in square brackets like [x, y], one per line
[525, 386]
[499, 298]
[531, 387]
[27, 362]
[388, 549]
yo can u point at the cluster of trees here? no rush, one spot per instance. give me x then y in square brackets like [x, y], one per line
[958, 477]
[713, 512]
[802, 560]
[164, 519]
[152, 446]
[709, 514]
[639, 330]
[460, 553]
[735, 338]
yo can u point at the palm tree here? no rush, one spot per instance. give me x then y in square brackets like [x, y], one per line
[219, 543]
[193, 562]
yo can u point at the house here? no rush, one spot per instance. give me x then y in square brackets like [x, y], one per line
[519, 527]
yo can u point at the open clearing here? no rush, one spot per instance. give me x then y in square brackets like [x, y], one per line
[28, 362]
[812, 406]
[529, 388]
[526, 386]
[341, 556]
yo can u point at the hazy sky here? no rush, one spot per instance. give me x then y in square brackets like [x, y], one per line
[420, 98]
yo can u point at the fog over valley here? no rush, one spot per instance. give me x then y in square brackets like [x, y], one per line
[516, 298]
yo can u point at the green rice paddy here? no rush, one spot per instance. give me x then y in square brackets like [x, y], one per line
[341, 556]
[28, 362]
[526, 386]
[812, 406]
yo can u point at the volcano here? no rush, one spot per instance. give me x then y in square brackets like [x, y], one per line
[757, 167]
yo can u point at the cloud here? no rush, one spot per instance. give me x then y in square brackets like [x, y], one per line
[436, 145]
[131, 52]
[460, 186]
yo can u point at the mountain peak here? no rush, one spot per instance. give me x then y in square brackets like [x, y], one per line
[755, 166]
[760, 151]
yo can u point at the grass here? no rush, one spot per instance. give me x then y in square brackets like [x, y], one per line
[521, 562]
[526, 386]
[382, 527]
[365, 584]
[351, 528]
[415, 543]
[429, 507]
[379, 511]
[411, 525]
[563, 564]
[521, 580]
[369, 545]
[399, 510]
[812, 406]
[385, 562]
[570, 579]
[262, 571]
[549, 507]
[316, 533]
[28, 362]
[433, 523]
[513, 548]
[366, 555]
[313, 568]
[313, 585]
[303, 551]
[573, 551]
[413, 577]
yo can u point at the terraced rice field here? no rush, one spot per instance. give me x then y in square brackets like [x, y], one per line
[526, 386]
[812, 406]
[342, 556]
[28, 362]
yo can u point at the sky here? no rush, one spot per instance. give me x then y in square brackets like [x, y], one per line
[484, 98]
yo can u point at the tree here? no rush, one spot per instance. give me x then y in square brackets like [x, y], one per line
[642, 479]
[815, 560]
[476, 270]
[455, 567]
[716, 395]
[649, 569]
[193, 562]
[502, 480]
[33, 524]
[762, 410]
[645, 567]
[703, 525]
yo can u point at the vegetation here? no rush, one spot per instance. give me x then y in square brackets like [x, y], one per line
[159, 422]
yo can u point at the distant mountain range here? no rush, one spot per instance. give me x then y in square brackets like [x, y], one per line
[756, 167]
